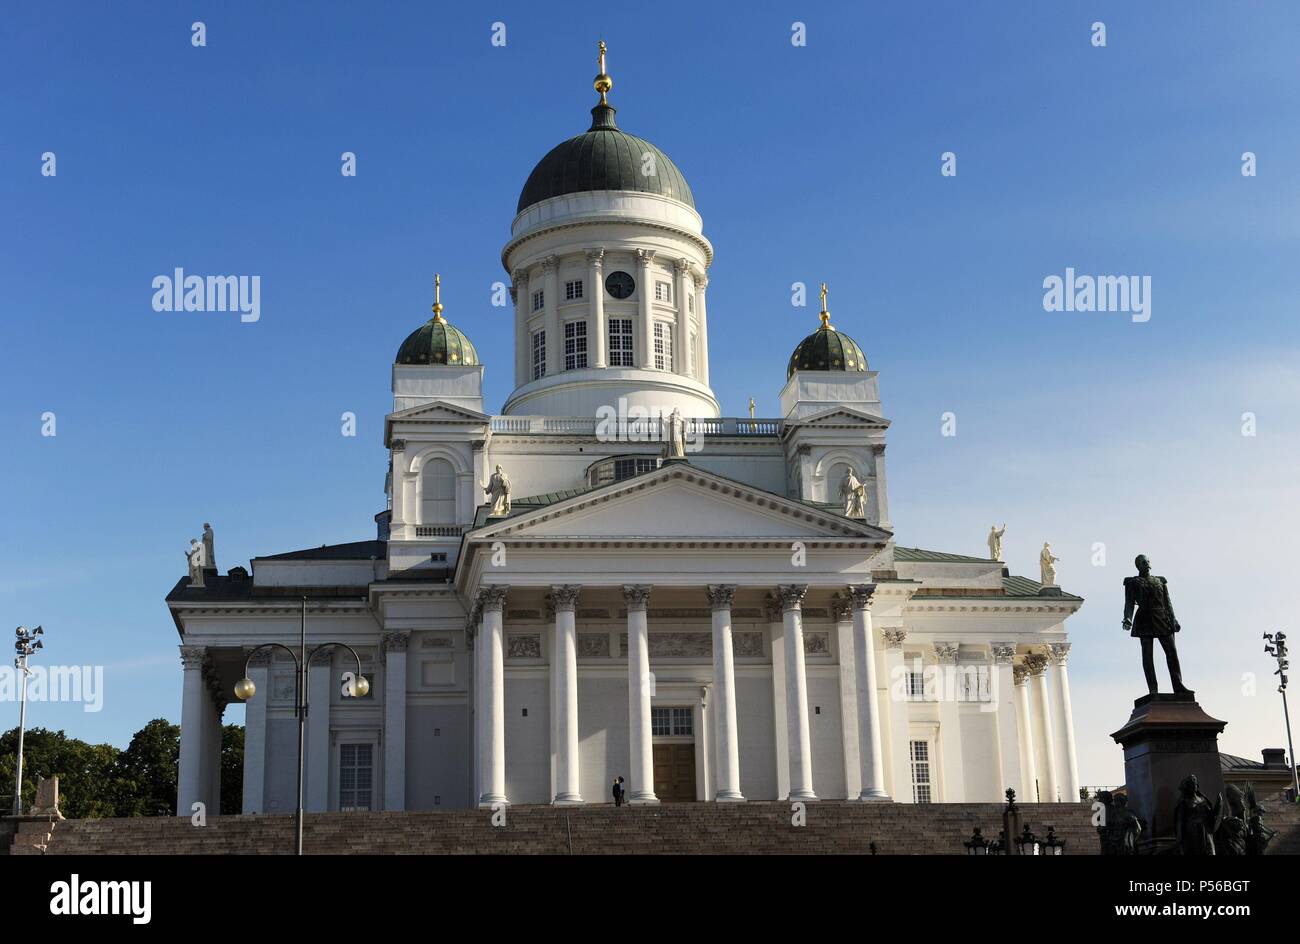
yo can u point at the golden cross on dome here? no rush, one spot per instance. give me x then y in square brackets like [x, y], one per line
[437, 297]
[603, 82]
[825, 314]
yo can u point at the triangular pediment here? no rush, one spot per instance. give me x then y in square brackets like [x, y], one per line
[842, 416]
[680, 503]
[437, 411]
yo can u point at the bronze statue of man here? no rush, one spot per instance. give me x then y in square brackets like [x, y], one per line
[1155, 620]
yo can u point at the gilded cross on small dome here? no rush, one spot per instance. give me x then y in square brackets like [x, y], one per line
[603, 82]
[825, 312]
[437, 297]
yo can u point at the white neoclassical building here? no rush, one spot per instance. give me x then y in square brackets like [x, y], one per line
[735, 623]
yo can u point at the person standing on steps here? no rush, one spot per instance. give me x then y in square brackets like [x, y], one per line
[618, 791]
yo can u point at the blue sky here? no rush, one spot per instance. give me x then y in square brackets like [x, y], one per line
[807, 164]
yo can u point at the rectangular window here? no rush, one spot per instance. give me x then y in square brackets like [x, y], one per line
[921, 772]
[575, 345]
[539, 300]
[539, 354]
[663, 291]
[573, 290]
[626, 468]
[663, 346]
[620, 342]
[916, 686]
[672, 722]
[690, 304]
[356, 776]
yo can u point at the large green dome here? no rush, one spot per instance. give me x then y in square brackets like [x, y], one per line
[827, 349]
[437, 341]
[603, 158]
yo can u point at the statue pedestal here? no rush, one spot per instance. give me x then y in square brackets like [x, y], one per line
[1168, 737]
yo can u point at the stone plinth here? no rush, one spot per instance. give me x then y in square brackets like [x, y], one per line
[1168, 737]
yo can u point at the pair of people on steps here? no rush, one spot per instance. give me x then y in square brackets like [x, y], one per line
[619, 791]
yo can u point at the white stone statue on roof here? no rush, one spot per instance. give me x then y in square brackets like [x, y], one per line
[854, 494]
[209, 555]
[498, 493]
[194, 557]
[995, 542]
[1046, 563]
[674, 435]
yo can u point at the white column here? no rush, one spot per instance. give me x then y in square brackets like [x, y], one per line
[1025, 731]
[1042, 711]
[870, 743]
[796, 693]
[950, 739]
[701, 283]
[842, 607]
[564, 665]
[394, 647]
[681, 326]
[474, 639]
[523, 347]
[639, 682]
[900, 765]
[1008, 731]
[491, 653]
[551, 306]
[646, 356]
[218, 705]
[316, 788]
[1066, 758]
[725, 737]
[192, 784]
[776, 644]
[255, 734]
[595, 289]
[882, 489]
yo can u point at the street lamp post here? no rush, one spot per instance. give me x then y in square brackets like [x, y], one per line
[245, 689]
[1276, 647]
[24, 645]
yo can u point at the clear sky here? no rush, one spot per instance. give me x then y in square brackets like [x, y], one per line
[807, 163]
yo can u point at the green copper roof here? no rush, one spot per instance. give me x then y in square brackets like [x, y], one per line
[604, 158]
[827, 349]
[437, 341]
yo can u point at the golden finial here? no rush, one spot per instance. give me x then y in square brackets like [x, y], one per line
[437, 298]
[603, 82]
[825, 313]
[751, 408]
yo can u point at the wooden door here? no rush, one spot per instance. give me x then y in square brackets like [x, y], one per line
[675, 772]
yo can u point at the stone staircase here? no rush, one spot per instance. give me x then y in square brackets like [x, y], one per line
[690, 828]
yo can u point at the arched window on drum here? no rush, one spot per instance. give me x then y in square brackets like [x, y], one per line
[438, 493]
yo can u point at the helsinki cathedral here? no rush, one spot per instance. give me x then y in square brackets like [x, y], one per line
[608, 578]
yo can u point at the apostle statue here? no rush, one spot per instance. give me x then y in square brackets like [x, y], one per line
[209, 555]
[854, 494]
[1155, 620]
[1128, 826]
[1046, 564]
[995, 542]
[1230, 837]
[194, 558]
[498, 493]
[1195, 819]
[674, 435]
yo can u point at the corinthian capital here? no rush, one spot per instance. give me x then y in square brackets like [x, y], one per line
[1058, 652]
[861, 594]
[565, 596]
[550, 263]
[636, 596]
[645, 256]
[194, 657]
[595, 258]
[1036, 663]
[682, 265]
[791, 595]
[720, 595]
[841, 608]
[893, 638]
[492, 597]
[1004, 653]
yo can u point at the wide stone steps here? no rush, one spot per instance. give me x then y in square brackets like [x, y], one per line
[687, 828]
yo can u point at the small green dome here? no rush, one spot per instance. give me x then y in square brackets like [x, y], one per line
[826, 349]
[437, 341]
[603, 158]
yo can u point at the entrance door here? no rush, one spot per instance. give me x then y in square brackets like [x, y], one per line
[675, 772]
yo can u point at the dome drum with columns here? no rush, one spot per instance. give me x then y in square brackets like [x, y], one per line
[554, 597]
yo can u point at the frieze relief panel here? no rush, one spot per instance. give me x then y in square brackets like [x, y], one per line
[747, 644]
[593, 645]
[282, 688]
[524, 646]
[817, 643]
